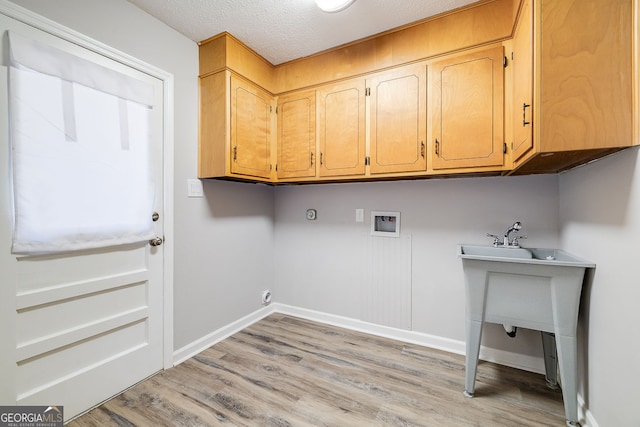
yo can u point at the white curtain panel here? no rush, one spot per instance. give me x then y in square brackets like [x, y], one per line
[81, 153]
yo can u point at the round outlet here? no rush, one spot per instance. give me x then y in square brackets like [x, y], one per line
[266, 297]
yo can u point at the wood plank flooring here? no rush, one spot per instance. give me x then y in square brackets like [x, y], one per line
[285, 371]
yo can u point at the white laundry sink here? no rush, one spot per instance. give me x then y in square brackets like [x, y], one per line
[540, 256]
[531, 288]
[486, 252]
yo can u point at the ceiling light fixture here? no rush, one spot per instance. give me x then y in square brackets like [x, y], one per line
[333, 5]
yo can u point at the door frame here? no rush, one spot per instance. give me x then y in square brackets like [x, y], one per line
[39, 22]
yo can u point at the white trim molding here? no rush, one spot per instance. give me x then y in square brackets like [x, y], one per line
[220, 334]
[514, 360]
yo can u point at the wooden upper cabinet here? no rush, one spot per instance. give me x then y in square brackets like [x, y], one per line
[584, 83]
[341, 128]
[297, 135]
[466, 108]
[398, 120]
[522, 63]
[429, 99]
[251, 109]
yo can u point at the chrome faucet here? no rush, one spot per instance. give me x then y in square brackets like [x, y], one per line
[515, 227]
[505, 240]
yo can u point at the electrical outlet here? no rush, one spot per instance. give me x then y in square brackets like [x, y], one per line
[266, 297]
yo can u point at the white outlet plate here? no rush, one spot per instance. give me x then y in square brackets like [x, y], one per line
[194, 188]
[359, 215]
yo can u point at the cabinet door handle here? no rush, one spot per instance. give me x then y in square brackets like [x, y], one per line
[437, 147]
[235, 153]
[321, 158]
[311, 159]
[524, 114]
[422, 149]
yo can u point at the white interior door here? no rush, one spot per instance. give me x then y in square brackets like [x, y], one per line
[77, 328]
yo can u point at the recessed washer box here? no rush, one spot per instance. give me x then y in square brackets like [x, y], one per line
[385, 224]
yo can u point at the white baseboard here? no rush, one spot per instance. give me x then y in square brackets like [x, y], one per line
[214, 337]
[501, 357]
[584, 413]
[418, 338]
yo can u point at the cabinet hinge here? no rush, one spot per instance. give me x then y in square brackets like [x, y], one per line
[504, 148]
[367, 91]
[367, 160]
[504, 61]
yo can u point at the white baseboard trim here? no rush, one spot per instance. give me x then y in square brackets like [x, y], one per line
[411, 337]
[501, 357]
[214, 337]
[584, 413]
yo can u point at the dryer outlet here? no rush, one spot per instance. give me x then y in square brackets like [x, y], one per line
[266, 297]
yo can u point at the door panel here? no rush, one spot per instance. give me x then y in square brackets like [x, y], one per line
[297, 135]
[398, 120]
[78, 327]
[523, 83]
[250, 129]
[466, 104]
[342, 129]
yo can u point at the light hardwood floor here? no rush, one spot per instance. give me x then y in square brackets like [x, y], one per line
[286, 371]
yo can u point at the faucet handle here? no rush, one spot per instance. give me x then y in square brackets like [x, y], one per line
[515, 242]
[497, 240]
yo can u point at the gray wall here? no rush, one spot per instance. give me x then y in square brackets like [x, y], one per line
[600, 220]
[320, 264]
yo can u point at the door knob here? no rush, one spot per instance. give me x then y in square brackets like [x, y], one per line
[156, 241]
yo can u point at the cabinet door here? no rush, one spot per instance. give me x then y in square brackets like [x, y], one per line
[250, 129]
[588, 90]
[522, 62]
[342, 129]
[466, 107]
[398, 120]
[297, 135]
[212, 142]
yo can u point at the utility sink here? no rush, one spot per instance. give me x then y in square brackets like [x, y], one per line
[534, 288]
[540, 256]
[486, 252]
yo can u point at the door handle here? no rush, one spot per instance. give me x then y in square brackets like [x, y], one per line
[156, 241]
[524, 114]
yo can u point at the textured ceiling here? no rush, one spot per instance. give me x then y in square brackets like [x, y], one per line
[282, 30]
